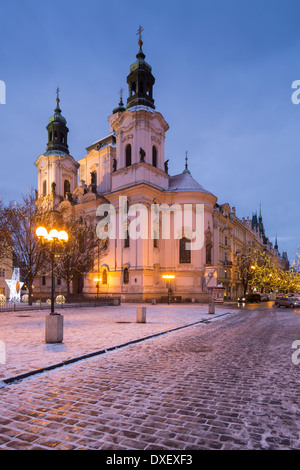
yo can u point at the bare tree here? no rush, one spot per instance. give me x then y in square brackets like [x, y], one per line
[77, 256]
[18, 223]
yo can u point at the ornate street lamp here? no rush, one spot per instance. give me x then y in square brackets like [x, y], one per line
[55, 238]
[168, 278]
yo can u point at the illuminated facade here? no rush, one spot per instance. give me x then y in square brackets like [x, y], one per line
[130, 162]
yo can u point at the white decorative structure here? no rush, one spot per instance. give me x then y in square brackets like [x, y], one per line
[15, 286]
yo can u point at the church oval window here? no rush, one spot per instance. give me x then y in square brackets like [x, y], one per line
[128, 155]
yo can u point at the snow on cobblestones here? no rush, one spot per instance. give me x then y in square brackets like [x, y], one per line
[86, 330]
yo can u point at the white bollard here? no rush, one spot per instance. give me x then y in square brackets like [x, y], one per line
[2, 353]
[54, 328]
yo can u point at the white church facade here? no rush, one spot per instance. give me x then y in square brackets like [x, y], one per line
[129, 163]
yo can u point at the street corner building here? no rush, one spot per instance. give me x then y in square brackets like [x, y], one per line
[130, 162]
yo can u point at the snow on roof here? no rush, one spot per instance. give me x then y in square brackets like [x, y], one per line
[185, 182]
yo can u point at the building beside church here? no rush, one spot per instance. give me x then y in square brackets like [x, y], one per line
[129, 162]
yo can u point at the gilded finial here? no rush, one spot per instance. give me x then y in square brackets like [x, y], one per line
[186, 164]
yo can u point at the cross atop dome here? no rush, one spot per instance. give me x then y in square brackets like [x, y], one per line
[139, 33]
[186, 164]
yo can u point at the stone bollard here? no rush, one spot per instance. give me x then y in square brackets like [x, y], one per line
[54, 328]
[141, 315]
[211, 307]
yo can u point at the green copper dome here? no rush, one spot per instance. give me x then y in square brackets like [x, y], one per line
[57, 117]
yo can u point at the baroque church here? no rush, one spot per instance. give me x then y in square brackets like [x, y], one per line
[130, 162]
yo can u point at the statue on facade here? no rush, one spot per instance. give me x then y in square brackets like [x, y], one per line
[53, 188]
[142, 154]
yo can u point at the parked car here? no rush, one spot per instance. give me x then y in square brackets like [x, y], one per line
[264, 297]
[250, 298]
[291, 302]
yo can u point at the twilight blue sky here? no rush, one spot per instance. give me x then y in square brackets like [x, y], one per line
[223, 69]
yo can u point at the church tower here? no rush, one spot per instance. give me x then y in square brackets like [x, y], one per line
[140, 132]
[57, 169]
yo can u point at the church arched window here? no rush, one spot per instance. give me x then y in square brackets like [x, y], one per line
[126, 239]
[66, 187]
[184, 253]
[126, 276]
[104, 276]
[154, 156]
[128, 155]
[44, 188]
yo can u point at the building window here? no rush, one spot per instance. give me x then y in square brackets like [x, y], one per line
[104, 276]
[184, 254]
[155, 239]
[126, 276]
[43, 280]
[45, 188]
[59, 281]
[2, 272]
[127, 239]
[66, 187]
[154, 156]
[128, 155]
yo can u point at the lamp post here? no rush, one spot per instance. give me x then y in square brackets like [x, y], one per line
[54, 321]
[54, 237]
[168, 278]
[98, 280]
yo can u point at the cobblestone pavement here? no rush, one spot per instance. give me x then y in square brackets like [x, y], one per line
[86, 330]
[228, 384]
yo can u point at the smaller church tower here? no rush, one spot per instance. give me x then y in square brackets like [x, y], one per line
[140, 80]
[57, 169]
[57, 130]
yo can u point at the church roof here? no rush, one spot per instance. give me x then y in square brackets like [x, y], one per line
[185, 182]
